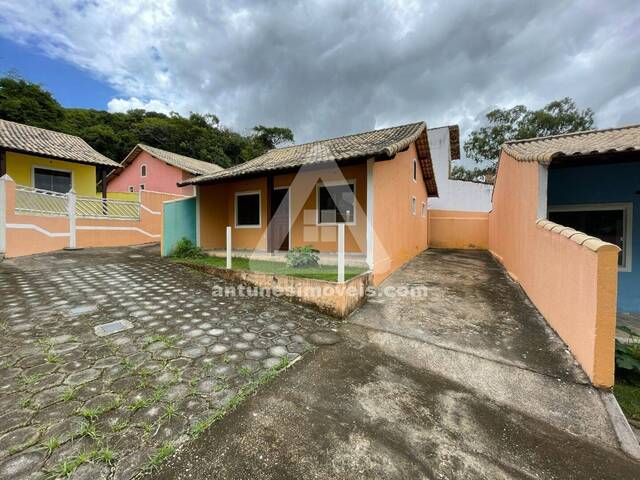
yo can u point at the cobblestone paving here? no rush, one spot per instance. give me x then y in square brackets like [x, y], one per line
[69, 398]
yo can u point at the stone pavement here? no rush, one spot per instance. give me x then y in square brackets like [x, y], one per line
[105, 406]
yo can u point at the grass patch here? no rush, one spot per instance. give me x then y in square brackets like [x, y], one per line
[51, 444]
[160, 455]
[69, 394]
[628, 396]
[245, 392]
[321, 272]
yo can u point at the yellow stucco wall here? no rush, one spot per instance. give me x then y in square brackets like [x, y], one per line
[20, 168]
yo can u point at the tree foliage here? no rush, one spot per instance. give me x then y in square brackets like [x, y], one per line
[459, 172]
[114, 134]
[517, 123]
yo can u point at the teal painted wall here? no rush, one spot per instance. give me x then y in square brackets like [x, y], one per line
[178, 221]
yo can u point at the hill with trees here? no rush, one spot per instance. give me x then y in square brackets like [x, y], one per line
[199, 136]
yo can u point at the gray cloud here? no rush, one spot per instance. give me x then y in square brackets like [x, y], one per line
[328, 68]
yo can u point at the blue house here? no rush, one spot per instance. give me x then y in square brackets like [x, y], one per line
[596, 189]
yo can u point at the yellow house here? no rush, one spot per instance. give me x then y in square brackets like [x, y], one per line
[48, 160]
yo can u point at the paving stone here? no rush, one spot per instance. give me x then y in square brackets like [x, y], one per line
[21, 437]
[271, 362]
[101, 401]
[82, 376]
[278, 351]
[255, 354]
[194, 352]
[22, 466]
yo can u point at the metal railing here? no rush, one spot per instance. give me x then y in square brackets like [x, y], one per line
[34, 201]
[90, 207]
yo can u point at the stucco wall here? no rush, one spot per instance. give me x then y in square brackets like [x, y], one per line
[20, 169]
[454, 194]
[217, 210]
[571, 278]
[398, 234]
[454, 229]
[161, 177]
[615, 183]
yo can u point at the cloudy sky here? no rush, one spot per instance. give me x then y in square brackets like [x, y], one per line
[326, 68]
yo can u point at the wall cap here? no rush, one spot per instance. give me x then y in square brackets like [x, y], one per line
[587, 241]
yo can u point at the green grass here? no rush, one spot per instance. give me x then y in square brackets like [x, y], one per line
[628, 395]
[159, 456]
[321, 272]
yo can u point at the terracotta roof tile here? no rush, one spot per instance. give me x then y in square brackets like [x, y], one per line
[544, 149]
[38, 141]
[384, 143]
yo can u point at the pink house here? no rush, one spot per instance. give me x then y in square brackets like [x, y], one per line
[153, 169]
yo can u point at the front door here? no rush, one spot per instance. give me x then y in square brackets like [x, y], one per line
[280, 219]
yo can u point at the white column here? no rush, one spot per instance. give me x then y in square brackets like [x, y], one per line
[340, 252]
[197, 194]
[370, 202]
[229, 248]
[71, 197]
[3, 214]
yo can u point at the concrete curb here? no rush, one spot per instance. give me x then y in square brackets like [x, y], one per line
[624, 433]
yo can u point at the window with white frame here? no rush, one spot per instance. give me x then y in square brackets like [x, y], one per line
[610, 222]
[247, 209]
[336, 203]
[143, 170]
[53, 180]
[415, 170]
[424, 209]
[142, 186]
[130, 188]
[413, 205]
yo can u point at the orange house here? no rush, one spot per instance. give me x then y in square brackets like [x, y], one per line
[376, 183]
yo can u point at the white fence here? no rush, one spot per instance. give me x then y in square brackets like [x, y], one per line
[33, 201]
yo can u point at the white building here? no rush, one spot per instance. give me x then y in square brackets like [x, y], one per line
[461, 195]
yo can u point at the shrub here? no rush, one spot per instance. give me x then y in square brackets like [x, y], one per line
[302, 257]
[628, 354]
[185, 248]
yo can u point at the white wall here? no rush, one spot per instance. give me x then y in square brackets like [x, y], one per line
[454, 194]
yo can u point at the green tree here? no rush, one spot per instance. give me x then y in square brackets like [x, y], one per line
[25, 102]
[459, 172]
[517, 123]
[115, 134]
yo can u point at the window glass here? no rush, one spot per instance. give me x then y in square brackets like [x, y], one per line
[248, 210]
[142, 186]
[130, 188]
[607, 225]
[143, 171]
[415, 169]
[413, 205]
[336, 203]
[52, 180]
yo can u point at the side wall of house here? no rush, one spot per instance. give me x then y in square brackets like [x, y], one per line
[454, 195]
[399, 234]
[160, 177]
[570, 277]
[20, 168]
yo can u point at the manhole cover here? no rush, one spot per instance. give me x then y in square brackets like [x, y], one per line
[112, 327]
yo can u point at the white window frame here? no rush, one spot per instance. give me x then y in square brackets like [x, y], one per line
[414, 170]
[143, 166]
[130, 189]
[235, 208]
[627, 224]
[414, 205]
[46, 167]
[424, 209]
[141, 186]
[333, 183]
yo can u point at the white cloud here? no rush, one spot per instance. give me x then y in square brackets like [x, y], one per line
[131, 103]
[332, 67]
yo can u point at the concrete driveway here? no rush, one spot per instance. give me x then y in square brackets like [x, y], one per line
[467, 382]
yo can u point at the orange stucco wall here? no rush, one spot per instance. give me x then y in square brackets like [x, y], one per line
[571, 278]
[399, 235]
[217, 210]
[456, 229]
[31, 234]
